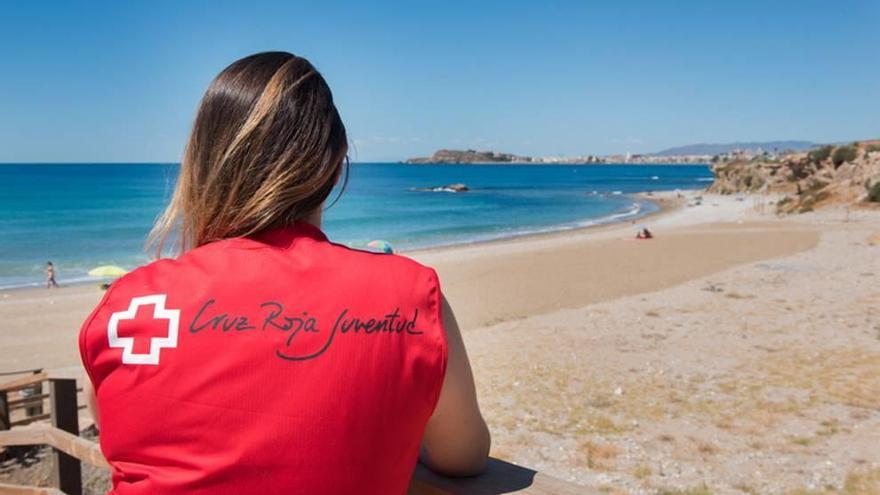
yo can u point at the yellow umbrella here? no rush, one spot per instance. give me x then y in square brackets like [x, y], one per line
[107, 271]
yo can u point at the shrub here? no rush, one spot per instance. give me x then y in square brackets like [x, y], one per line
[819, 155]
[782, 203]
[815, 185]
[820, 196]
[844, 154]
[871, 148]
[874, 193]
[697, 490]
[756, 183]
[799, 170]
[785, 205]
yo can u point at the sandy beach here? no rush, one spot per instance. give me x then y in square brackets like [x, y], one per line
[736, 351]
[487, 282]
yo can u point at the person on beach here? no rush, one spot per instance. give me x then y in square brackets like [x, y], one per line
[264, 358]
[50, 275]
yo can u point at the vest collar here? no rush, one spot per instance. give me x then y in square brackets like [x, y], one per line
[285, 235]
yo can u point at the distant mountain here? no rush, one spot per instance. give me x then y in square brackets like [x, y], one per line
[714, 149]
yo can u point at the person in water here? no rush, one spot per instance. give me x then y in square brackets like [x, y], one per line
[50, 275]
[264, 358]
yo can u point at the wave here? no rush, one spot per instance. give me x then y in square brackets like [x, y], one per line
[633, 211]
[705, 179]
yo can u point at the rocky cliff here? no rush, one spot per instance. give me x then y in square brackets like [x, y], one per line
[828, 175]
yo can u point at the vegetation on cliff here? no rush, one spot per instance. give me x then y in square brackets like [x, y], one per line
[874, 192]
[828, 175]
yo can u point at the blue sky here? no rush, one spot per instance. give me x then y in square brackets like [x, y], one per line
[119, 81]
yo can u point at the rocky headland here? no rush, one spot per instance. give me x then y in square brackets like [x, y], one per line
[828, 175]
[470, 156]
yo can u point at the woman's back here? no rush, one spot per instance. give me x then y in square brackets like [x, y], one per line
[298, 366]
[266, 359]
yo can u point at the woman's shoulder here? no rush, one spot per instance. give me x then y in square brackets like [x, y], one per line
[380, 261]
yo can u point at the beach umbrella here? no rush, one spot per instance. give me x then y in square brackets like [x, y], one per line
[107, 271]
[381, 246]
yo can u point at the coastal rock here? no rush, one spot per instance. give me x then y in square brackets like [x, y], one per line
[452, 188]
[457, 187]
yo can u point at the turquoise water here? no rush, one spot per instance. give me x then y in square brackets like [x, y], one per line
[83, 215]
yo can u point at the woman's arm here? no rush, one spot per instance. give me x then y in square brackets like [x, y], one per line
[456, 440]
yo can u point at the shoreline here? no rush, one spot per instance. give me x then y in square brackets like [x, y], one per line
[492, 281]
[533, 275]
[544, 164]
[663, 205]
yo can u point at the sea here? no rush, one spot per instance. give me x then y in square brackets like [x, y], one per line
[84, 215]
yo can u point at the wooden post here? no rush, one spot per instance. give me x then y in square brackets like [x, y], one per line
[65, 416]
[5, 421]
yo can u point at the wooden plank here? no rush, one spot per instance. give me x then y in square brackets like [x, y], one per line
[84, 450]
[24, 436]
[31, 419]
[500, 477]
[417, 487]
[7, 489]
[78, 447]
[21, 372]
[17, 403]
[68, 472]
[23, 382]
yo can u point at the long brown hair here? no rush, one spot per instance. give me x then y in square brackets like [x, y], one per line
[266, 149]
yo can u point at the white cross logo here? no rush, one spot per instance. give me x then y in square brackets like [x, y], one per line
[156, 343]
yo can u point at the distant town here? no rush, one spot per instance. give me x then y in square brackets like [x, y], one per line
[698, 153]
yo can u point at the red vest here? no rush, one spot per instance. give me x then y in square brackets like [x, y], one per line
[277, 364]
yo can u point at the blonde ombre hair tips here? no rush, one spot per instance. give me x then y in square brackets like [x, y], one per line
[266, 149]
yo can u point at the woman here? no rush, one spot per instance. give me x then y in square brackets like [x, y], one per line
[266, 359]
[50, 275]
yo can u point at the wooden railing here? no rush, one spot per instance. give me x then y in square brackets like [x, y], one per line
[22, 403]
[24, 394]
[70, 450]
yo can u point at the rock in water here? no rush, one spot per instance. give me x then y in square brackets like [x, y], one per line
[453, 188]
[456, 187]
